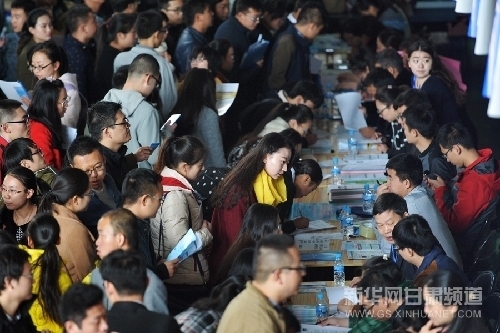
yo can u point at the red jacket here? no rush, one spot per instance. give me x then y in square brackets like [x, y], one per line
[226, 225]
[470, 193]
[3, 144]
[43, 138]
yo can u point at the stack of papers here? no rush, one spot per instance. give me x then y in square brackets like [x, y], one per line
[322, 329]
[225, 95]
[305, 313]
[319, 256]
[313, 211]
[335, 294]
[315, 241]
[187, 246]
[312, 287]
[314, 225]
[362, 249]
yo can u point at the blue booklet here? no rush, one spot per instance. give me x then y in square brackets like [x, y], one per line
[255, 52]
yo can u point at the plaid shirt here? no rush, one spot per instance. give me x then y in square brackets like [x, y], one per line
[198, 321]
[369, 325]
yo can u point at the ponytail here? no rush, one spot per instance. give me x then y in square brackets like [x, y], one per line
[187, 149]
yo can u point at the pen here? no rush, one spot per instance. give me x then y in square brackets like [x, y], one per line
[300, 213]
[378, 182]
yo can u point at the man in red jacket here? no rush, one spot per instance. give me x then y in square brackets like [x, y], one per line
[471, 198]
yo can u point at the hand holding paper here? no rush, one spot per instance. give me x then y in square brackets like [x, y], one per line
[187, 246]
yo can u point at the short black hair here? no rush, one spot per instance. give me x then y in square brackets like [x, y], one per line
[376, 284]
[26, 5]
[307, 89]
[422, 119]
[362, 59]
[309, 167]
[16, 151]
[81, 146]
[312, 12]
[124, 221]
[277, 8]
[12, 260]
[8, 109]
[391, 38]
[379, 77]
[148, 23]
[454, 134]
[413, 232]
[407, 167]
[119, 6]
[270, 254]
[127, 271]
[77, 15]
[139, 182]
[212, 56]
[144, 64]
[243, 6]
[101, 115]
[77, 300]
[390, 58]
[120, 77]
[192, 7]
[390, 202]
[412, 97]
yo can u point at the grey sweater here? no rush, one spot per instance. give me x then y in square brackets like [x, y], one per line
[208, 131]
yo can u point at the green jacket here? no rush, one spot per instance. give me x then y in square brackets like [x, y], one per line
[47, 174]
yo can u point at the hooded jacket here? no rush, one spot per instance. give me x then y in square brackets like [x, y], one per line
[144, 122]
[274, 126]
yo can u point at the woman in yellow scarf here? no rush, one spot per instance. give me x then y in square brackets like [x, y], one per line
[258, 177]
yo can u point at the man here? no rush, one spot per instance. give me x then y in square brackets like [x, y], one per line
[277, 274]
[404, 178]
[143, 195]
[173, 10]
[118, 229]
[289, 58]
[419, 125]
[151, 31]
[124, 6]
[143, 77]
[417, 245]
[78, 44]
[198, 17]
[412, 97]
[13, 125]
[391, 60]
[82, 310]
[294, 12]
[125, 280]
[471, 198]
[15, 291]
[19, 10]
[86, 154]
[107, 124]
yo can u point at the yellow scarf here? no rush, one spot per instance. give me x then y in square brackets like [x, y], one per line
[269, 191]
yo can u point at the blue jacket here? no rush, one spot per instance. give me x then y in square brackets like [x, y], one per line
[81, 62]
[188, 41]
[434, 260]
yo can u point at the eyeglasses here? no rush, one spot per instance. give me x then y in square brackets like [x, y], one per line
[159, 199]
[396, 247]
[28, 276]
[90, 194]
[254, 19]
[125, 122]
[198, 60]
[379, 112]
[97, 168]
[445, 155]
[37, 151]
[158, 81]
[12, 191]
[25, 120]
[301, 268]
[175, 10]
[38, 68]
[65, 102]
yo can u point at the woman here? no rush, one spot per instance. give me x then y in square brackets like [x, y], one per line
[19, 197]
[71, 194]
[394, 138]
[204, 315]
[448, 305]
[207, 58]
[113, 37]
[47, 107]
[257, 178]
[48, 61]
[259, 220]
[299, 117]
[220, 8]
[50, 277]
[180, 162]
[226, 51]
[37, 29]
[199, 116]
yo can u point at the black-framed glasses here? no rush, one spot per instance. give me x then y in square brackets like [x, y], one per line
[445, 155]
[159, 199]
[96, 168]
[25, 120]
[175, 10]
[37, 151]
[300, 268]
[125, 122]
[158, 81]
[379, 112]
[254, 19]
[32, 68]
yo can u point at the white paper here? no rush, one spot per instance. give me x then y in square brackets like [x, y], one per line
[314, 226]
[315, 241]
[14, 90]
[322, 329]
[485, 18]
[356, 245]
[352, 116]
[171, 120]
[69, 135]
[189, 244]
[226, 93]
[312, 287]
[464, 6]
[335, 294]
[363, 255]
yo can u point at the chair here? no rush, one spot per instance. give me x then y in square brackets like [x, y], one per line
[484, 258]
[485, 280]
[490, 312]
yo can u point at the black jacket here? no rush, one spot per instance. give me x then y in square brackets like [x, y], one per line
[188, 41]
[133, 317]
[23, 322]
[433, 161]
[118, 164]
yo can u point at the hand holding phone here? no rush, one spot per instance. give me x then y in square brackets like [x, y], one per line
[173, 118]
[154, 145]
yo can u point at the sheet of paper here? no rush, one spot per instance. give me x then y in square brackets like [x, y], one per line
[312, 287]
[322, 143]
[14, 90]
[69, 135]
[305, 328]
[335, 294]
[313, 211]
[189, 244]
[225, 95]
[314, 241]
[357, 245]
[352, 116]
[364, 254]
[305, 313]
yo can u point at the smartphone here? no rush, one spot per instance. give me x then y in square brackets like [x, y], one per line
[4, 31]
[154, 145]
[173, 118]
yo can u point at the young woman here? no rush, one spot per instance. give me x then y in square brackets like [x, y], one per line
[431, 76]
[48, 105]
[299, 117]
[48, 61]
[70, 194]
[448, 306]
[180, 161]
[199, 115]
[257, 178]
[113, 37]
[20, 200]
[50, 277]
[207, 58]
[37, 29]
[395, 139]
[226, 51]
[259, 220]
[204, 315]
[220, 8]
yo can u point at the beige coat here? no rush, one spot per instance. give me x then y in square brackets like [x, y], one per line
[77, 248]
[174, 215]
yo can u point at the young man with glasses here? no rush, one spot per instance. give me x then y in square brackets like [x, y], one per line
[86, 154]
[13, 124]
[277, 274]
[151, 32]
[107, 124]
[471, 198]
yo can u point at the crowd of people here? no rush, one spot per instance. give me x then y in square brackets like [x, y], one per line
[89, 222]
